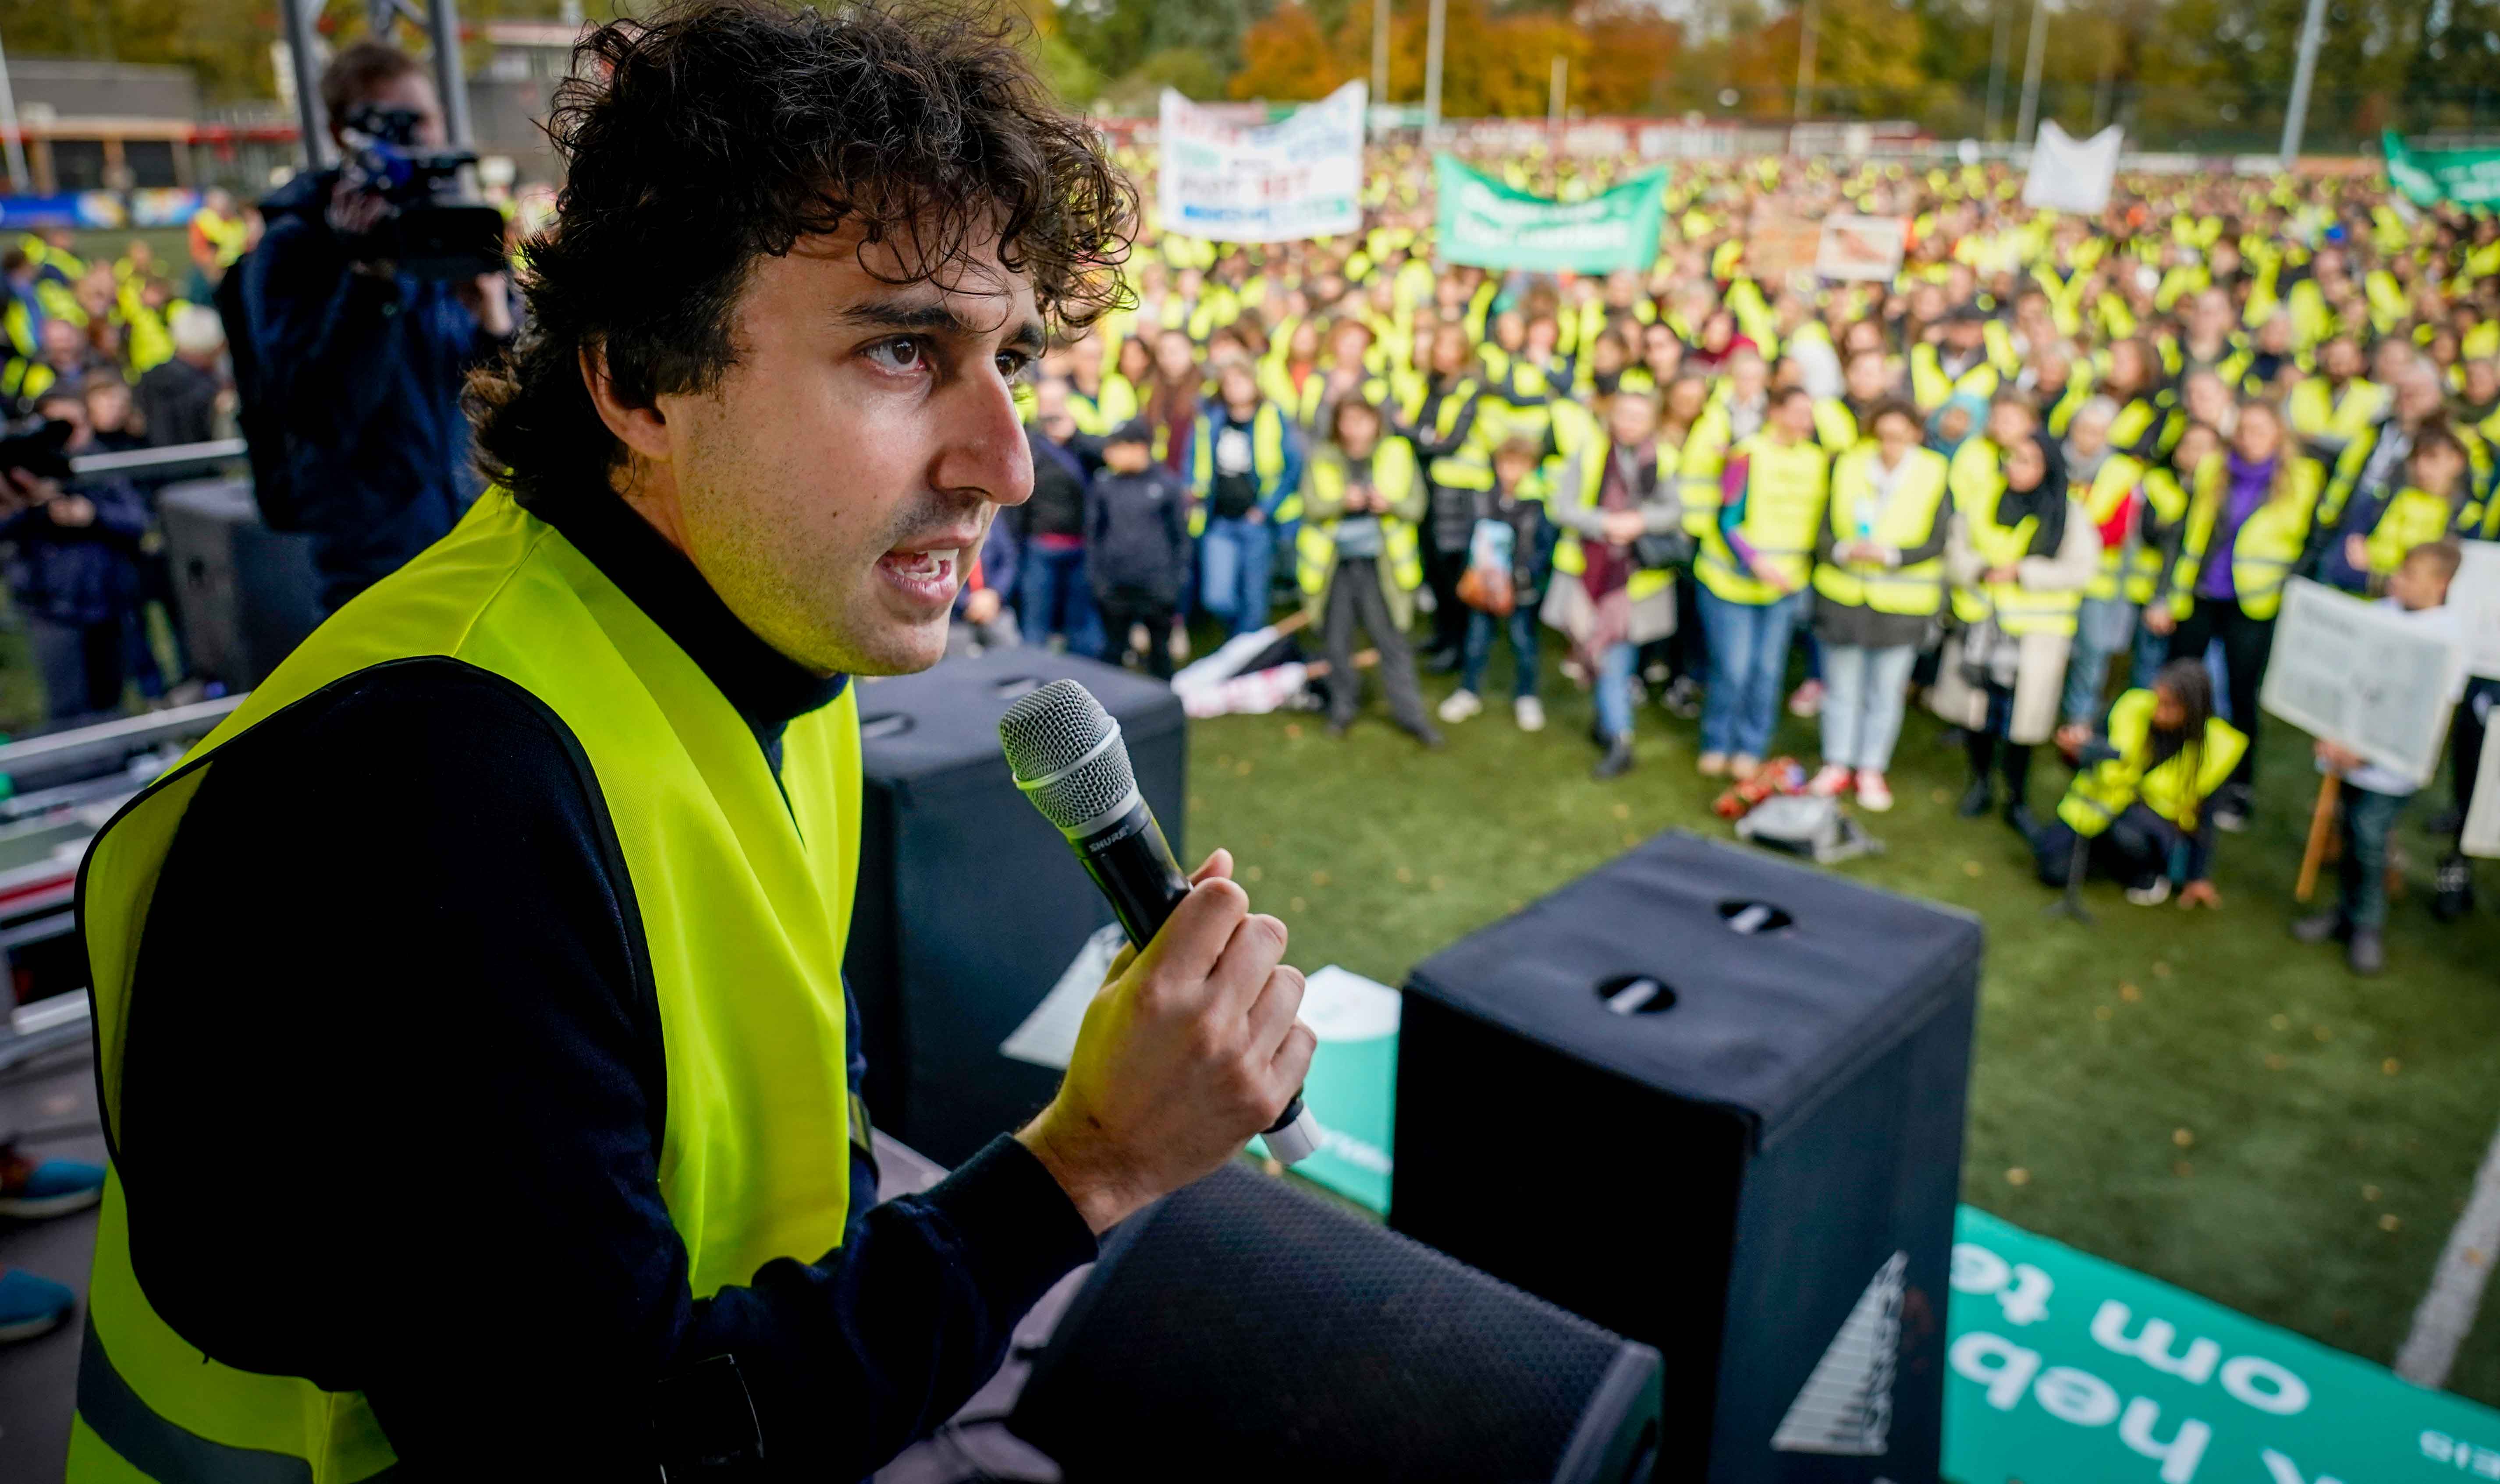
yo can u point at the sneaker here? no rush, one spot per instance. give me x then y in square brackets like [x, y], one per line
[2153, 895]
[1714, 765]
[1431, 739]
[2232, 809]
[2455, 896]
[1528, 712]
[1743, 767]
[31, 1192]
[1179, 650]
[2367, 953]
[1832, 782]
[1807, 700]
[1976, 799]
[1617, 761]
[1461, 705]
[1684, 699]
[31, 1306]
[1442, 661]
[2024, 822]
[2321, 928]
[1873, 794]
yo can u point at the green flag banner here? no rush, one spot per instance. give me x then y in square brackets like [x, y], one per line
[2061, 1369]
[2428, 177]
[1486, 224]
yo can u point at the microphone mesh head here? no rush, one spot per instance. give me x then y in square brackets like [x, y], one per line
[1046, 734]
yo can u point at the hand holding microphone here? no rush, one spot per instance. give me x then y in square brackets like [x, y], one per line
[1192, 1045]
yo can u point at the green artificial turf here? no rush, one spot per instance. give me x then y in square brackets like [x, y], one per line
[2192, 1095]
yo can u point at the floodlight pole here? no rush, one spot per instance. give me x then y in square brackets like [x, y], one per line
[17, 176]
[2037, 53]
[1379, 53]
[442, 24]
[295, 18]
[2295, 118]
[1996, 60]
[1805, 59]
[1434, 24]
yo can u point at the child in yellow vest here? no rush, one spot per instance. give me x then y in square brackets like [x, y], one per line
[2373, 797]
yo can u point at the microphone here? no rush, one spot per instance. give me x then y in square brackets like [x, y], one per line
[1066, 755]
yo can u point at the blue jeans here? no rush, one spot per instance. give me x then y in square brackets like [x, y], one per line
[2104, 627]
[1234, 557]
[2368, 820]
[2152, 653]
[1865, 690]
[1521, 627]
[1053, 596]
[1615, 689]
[1749, 657]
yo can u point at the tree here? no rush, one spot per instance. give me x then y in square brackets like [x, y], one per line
[1287, 57]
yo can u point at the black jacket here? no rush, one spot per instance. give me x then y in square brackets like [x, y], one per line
[1136, 535]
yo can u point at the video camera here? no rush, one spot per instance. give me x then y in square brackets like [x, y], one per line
[435, 228]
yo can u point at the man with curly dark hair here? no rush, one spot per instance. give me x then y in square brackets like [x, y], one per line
[538, 857]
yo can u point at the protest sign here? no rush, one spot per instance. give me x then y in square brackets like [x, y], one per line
[1301, 177]
[2475, 595]
[1352, 1083]
[2068, 175]
[1866, 248]
[2429, 176]
[1779, 248]
[1486, 224]
[2361, 676]
[2482, 819]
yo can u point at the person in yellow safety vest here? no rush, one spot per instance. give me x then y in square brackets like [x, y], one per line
[1508, 560]
[1977, 473]
[2249, 518]
[1097, 403]
[1615, 508]
[2208, 342]
[217, 237]
[1737, 409]
[1360, 561]
[2138, 522]
[1754, 563]
[1289, 376]
[1878, 588]
[2329, 410]
[1841, 423]
[1246, 484]
[2019, 559]
[2372, 466]
[1452, 450]
[2436, 504]
[623, 807]
[1954, 361]
[2146, 795]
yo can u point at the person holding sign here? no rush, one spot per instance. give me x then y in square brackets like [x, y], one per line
[2373, 797]
[2146, 792]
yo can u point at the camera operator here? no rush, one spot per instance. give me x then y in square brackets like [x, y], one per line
[359, 362]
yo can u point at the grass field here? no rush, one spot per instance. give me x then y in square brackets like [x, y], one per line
[2192, 1095]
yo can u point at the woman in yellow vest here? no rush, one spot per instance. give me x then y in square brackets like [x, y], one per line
[2435, 504]
[1878, 586]
[1359, 560]
[2248, 521]
[2146, 795]
[1753, 564]
[1618, 495]
[2019, 563]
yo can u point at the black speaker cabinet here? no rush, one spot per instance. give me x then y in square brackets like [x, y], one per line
[1713, 1101]
[970, 906]
[1244, 1330]
[245, 594]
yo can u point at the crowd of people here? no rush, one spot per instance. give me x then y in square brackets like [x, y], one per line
[2050, 482]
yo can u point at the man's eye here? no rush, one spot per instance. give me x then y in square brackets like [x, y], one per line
[1016, 367]
[902, 354]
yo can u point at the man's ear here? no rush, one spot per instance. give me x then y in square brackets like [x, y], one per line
[641, 427]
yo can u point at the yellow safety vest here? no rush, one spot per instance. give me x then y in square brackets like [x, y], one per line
[1393, 474]
[2413, 516]
[1907, 520]
[2327, 420]
[745, 903]
[1114, 402]
[1471, 465]
[2269, 544]
[1930, 388]
[1784, 488]
[2129, 562]
[2017, 609]
[1267, 467]
[1570, 558]
[2176, 788]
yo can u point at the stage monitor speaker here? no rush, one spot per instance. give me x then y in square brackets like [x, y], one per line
[970, 906]
[1744, 1080]
[245, 595]
[1243, 1329]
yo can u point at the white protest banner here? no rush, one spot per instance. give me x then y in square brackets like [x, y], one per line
[1301, 177]
[2068, 175]
[2482, 819]
[2475, 595]
[1865, 248]
[2361, 676]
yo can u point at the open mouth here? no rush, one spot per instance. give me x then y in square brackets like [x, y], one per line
[930, 576]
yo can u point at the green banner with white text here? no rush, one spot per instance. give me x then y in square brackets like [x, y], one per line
[2428, 177]
[1486, 224]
